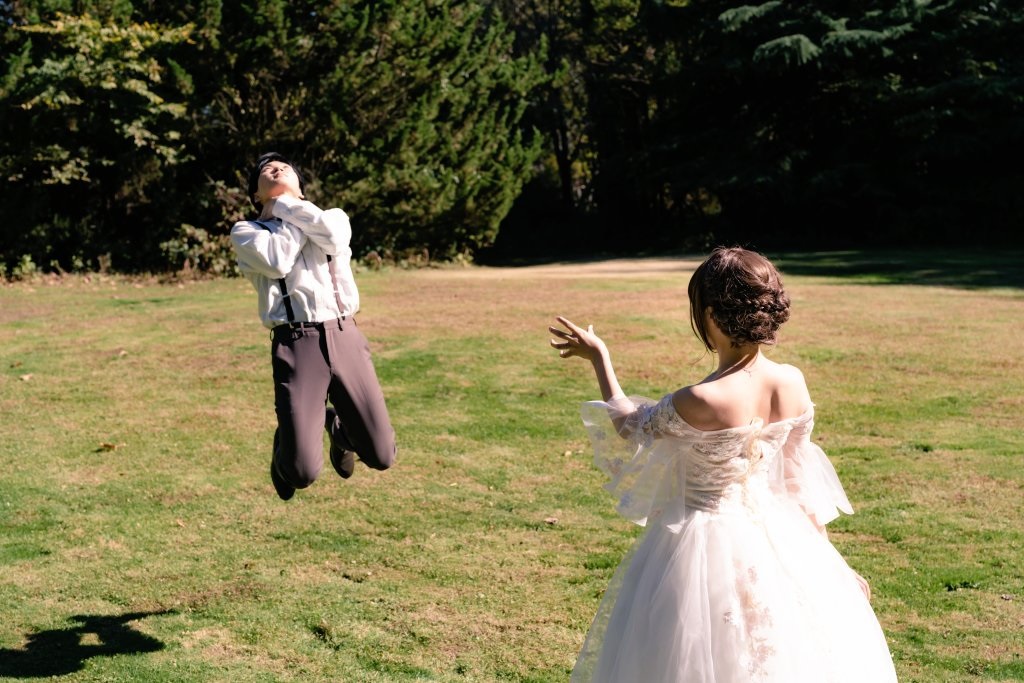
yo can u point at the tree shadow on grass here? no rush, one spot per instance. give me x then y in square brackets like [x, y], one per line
[966, 268]
[59, 652]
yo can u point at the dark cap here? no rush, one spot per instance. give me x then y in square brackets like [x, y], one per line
[254, 175]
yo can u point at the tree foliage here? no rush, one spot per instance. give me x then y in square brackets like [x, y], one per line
[127, 125]
[428, 150]
[789, 124]
[405, 114]
[92, 117]
[839, 123]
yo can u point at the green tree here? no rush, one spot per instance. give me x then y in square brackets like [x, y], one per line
[594, 112]
[559, 108]
[798, 124]
[837, 123]
[91, 119]
[425, 101]
[406, 114]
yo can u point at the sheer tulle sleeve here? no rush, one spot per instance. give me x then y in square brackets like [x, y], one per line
[809, 478]
[644, 471]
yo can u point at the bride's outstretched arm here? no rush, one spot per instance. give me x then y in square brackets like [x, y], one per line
[576, 341]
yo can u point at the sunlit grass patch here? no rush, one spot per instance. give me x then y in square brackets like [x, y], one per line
[137, 441]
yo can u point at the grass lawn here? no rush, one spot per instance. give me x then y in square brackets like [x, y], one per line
[141, 540]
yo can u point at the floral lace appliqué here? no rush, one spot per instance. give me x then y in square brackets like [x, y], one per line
[753, 620]
[650, 423]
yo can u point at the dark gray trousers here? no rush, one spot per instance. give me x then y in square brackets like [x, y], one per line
[315, 363]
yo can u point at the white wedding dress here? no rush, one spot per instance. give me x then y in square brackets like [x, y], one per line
[732, 582]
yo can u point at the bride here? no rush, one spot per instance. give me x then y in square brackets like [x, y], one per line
[735, 579]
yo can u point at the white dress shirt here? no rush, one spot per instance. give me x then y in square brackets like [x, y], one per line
[294, 246]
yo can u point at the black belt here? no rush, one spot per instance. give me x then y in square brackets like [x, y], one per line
[304, 325]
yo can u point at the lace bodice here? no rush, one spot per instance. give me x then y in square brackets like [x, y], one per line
[660, 466]
[730, 583]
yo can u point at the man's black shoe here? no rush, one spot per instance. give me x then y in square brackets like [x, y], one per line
[343, 459]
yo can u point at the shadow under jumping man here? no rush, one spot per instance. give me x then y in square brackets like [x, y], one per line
[297, 256]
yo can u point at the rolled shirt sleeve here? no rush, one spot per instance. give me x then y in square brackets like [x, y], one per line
[330, 230]
[267, 253]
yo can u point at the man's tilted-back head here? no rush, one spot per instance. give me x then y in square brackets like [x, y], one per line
[254, 175]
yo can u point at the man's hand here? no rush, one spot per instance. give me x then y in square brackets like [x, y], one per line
[575, 341]
[268, 209]
[268, 205]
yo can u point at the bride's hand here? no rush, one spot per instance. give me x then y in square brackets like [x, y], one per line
[575, 341]
[863, 583]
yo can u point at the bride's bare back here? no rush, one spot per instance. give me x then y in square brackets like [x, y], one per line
[765, 389]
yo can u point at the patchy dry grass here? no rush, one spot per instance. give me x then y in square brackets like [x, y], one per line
[138, 419]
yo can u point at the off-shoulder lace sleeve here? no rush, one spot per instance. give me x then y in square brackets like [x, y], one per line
[810, 479]
[644, 471]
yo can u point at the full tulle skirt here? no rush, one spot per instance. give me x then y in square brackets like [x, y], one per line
[747, 591]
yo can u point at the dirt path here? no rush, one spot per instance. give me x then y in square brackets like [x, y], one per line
[630, 268]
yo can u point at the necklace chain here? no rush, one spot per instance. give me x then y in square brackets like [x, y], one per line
[748, 368]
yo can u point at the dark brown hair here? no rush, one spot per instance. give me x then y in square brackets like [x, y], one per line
[745, 294]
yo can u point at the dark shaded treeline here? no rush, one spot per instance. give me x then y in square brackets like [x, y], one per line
[784, 125]
[574, 126]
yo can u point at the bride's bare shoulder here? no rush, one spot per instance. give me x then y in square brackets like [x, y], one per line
[703, 406]
[790, 394]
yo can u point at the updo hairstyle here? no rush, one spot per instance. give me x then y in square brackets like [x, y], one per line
[745, 294]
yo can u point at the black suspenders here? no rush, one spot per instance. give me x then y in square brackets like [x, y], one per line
[332, 267]
[284, 287]
[287, 298]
